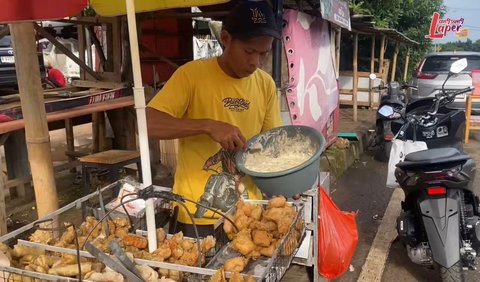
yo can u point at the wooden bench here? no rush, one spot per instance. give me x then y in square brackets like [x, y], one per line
[112, 160]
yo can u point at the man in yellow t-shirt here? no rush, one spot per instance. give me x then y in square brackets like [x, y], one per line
[214, 105]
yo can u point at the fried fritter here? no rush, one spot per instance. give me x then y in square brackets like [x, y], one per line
[236, 264]
[208, 243]
[243, 242]
[261, 238]
[139, 242]
[277, 202]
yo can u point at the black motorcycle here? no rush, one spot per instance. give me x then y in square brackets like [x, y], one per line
[446, 130]
[440, 219]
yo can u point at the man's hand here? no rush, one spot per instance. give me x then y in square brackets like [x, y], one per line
[230, 137]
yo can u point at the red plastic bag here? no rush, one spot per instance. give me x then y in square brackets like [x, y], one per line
[337, 237]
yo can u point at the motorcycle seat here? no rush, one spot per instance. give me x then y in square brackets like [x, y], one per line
[433, 157]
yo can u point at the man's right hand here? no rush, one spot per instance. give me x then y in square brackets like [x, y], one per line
[229, 136]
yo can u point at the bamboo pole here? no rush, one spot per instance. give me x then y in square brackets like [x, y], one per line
[372, 70]
[382, 55]
[34, 115]
[355, 75]
[139, 96]
[405, 69]
[338, 37]
[395, 56]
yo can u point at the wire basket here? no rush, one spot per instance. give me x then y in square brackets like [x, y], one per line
[74, 213]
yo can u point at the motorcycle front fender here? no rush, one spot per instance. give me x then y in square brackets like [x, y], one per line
[441, 219]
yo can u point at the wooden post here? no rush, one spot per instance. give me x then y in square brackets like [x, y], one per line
[382, 54]
[35, 117]
[70, 140]
[355, 75]
[394, 66]
[405, 69]
[16, 158]
[3, 211]
[338, 37]
[81, 48]
[372, 70]
[117, 49]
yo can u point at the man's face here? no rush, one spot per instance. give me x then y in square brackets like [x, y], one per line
[245, 56]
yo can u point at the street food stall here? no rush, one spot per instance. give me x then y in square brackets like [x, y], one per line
[254, 240]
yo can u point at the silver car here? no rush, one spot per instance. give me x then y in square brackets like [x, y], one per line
[433, 70]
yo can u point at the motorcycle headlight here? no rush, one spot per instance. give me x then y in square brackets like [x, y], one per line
[386, 111]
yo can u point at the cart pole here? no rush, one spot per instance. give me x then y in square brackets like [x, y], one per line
[35, 117]
[139, 97]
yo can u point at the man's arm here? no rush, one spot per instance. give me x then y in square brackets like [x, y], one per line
[164, 126]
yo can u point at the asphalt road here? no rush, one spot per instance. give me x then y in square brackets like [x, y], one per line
[362, 188]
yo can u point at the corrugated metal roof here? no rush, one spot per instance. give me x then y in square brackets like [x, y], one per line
[363, 24]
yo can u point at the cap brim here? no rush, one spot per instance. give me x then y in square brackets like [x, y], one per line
[263, 32]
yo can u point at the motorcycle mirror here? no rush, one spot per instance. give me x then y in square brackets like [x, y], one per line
[459, 65]
[373, 76]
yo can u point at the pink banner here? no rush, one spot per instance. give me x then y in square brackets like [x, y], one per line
[312, 93]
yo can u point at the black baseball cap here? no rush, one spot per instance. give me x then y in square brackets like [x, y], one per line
[250, 19]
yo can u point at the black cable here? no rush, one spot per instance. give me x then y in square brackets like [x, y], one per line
[214, 211]
[125, 209]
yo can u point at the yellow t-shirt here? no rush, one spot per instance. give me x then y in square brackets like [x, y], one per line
[202, 90]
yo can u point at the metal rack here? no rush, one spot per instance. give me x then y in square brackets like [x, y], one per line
[274, 267]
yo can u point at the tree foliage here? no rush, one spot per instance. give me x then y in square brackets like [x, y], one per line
[469, 45]
[410, 17]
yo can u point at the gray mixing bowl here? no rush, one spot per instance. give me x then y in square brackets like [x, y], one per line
[288, 182]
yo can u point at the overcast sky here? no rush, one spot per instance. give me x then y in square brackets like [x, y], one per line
[469, 10]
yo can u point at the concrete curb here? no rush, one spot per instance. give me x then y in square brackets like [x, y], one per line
[336, 161]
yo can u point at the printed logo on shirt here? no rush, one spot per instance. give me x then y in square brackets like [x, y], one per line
[236, 104]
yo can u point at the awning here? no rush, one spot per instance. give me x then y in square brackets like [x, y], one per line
[36, 10]
[111, 8]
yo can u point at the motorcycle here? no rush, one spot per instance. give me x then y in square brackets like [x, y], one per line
[392, 107]
[440, 219]
[446, 131]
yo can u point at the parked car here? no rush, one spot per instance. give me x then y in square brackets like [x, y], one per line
[432, 71]
[8, 75]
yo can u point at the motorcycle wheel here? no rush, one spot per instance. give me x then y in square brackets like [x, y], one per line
[452, 274]
[383, 152]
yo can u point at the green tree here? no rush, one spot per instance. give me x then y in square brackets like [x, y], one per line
[411, 17]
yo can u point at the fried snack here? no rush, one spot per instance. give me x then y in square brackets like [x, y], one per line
[236, 277]
[208, 243]
[265, 225]
[121, 222]
[161, 235]
[28, 259]
[45, 261]
[164, 279]
[243, 242]
[70, 270]
[107, 276]
[36, 268]
[87, 227]
[121, 232]
[67, 237]
[190, 258]
[162, 253]
[175, 275]
[244, 208]
[147, 273]
[261, 238]
[177, 238]
[219, 276]
[42, 237]
[277, 202]
[256, 213]
[21, 251]
[268, 251]
[243, 221]
[187, 245]
[236, 264]
[135, 240]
